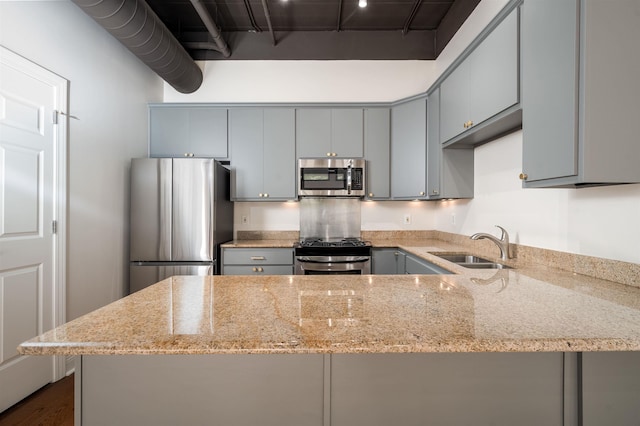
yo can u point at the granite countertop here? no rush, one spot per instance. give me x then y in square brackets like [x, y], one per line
[531, 308]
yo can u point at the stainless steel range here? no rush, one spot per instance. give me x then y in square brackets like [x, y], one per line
[315, 256]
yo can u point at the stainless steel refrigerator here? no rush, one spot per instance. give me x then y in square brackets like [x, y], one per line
[180, 214]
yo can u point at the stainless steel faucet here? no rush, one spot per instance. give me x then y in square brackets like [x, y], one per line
[502, 243]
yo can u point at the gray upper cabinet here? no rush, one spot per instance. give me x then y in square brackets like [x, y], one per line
[262, 153]
[580, 92]
[483, 85]
[329, 132]
[408, 150]
[449, 171]
[187, 131]
[377, 135]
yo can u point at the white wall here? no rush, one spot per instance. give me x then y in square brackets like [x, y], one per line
[109, 92]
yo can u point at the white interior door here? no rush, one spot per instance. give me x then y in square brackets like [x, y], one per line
[29, 292]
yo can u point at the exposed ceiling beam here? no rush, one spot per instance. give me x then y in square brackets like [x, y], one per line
[267, 15]
[211, 26]
[411, 17]
[252, 18]
[338, 27]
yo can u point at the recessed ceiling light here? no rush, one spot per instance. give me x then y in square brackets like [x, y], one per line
[362, 3]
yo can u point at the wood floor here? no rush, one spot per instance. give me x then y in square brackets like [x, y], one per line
[50, 406]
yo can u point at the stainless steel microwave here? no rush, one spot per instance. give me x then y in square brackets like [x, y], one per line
[331, 177]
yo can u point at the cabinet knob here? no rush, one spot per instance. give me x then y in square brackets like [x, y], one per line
[328, 154]
[254, 269]
[371, 194]
[261, 195]
[421, 193]
[435, 192]
[523, 176]
[260, 269]
[266, 195]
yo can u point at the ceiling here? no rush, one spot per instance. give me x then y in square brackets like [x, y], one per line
[316, 29]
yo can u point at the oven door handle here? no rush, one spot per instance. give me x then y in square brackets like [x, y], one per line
[349, 178]
[332, 259]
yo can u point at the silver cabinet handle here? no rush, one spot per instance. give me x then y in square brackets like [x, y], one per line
[257, 258]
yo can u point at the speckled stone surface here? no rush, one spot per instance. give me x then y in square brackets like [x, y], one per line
[528, 309]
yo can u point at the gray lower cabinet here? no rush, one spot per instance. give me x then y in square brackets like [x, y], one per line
[484, 84]
[415, 265]
[449, 171]
[170, 390]
[387, 261]
[392, 261]
[263, 155]
[187, 131]
[447, 389]
[329, 132]
[408, 150]
[377, 140]
[610, 388]
[257, 261]
[320, 390]
[580, 92]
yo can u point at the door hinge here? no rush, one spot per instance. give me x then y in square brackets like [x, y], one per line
[54, 227]
[54, 118]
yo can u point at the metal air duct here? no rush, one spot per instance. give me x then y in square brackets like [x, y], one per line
[136, 26]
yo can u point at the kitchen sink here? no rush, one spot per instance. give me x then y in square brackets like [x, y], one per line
[470, 261]
[462, 258]
[489, 265]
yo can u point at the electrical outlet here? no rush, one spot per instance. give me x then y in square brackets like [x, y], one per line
[407, 219]
[244, 219]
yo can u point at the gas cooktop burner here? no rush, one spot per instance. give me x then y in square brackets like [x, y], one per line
[346, 242]
[344, 247]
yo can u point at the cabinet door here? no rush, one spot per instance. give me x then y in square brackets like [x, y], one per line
[188, 131]
[208, 132]
[413, 265]
[434, 148]
[549, 88]
[245, 133]
[408, 149]
[279, 153]
[454, 102]
[168, 130]
[447, 389]
[385, 261]
[376, 151]
[313, 132]
[493, 71]
[347, 132]
[610, 388]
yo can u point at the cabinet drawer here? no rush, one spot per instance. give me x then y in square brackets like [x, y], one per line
[273, 256]
[257, 270]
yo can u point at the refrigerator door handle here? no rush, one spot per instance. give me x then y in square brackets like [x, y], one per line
[165, 186]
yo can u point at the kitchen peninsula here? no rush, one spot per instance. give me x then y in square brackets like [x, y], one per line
[532, 345]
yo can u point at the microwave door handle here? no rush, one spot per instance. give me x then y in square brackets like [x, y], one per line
[349, 179]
